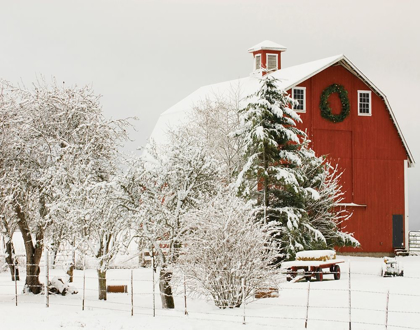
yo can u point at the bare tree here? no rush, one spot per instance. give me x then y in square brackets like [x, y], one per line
[213, 121]
[105, 227]
[163, 187]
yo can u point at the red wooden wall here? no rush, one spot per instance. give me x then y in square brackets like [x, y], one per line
[264, 53]
[368, 149]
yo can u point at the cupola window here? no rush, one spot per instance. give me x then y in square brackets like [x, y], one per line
[272, 62]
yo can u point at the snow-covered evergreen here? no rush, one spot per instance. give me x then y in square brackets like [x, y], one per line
[270, 176]
[283, 175]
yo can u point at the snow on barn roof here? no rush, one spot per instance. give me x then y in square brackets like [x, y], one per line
[288, 78]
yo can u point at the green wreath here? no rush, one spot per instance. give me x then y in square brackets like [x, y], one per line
[325, 106]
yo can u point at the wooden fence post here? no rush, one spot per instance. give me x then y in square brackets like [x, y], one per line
[386, 315]
[243, 298]
[84, 286]
[47, 297]
[307, 305]
[16, 299]
[132, 294]
[349, 297]
[185, 296]
[153, 282]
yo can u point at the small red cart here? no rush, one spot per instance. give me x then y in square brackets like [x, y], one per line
[297, 270]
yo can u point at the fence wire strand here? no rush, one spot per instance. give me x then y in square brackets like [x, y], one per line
[91, 303]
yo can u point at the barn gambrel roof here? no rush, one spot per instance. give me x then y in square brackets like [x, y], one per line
[288, 78]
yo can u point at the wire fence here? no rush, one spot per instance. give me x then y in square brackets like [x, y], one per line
[296, 305]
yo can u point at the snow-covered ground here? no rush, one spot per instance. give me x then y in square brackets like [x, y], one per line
[328, 303]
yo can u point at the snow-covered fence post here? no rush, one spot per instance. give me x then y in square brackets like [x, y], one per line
[307, 305]
[84, 286]
[47, 297]
[243, 297]
[349, 297]
[16, 271]
[132, 294]
[185, 296]
[386, 314]
[153, 283]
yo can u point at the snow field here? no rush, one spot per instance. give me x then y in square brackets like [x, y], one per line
[328, 303]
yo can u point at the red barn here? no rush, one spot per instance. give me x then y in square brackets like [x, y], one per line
[366, 142]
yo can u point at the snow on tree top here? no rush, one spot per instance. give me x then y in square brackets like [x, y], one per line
[268, 45]
[316, 255]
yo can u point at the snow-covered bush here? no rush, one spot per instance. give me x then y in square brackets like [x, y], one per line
[223, 246]
[61, 286]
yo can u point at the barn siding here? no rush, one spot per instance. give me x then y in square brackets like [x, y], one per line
[264, 53]
[368, 149]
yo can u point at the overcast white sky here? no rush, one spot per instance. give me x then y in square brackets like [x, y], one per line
[144, 56]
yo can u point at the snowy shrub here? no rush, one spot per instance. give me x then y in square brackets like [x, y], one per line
[59, 286]
[225, 245]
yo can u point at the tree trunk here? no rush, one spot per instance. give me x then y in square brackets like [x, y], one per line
[166, 296]
[32, 283]
[102, 284]
[11, 260]
[55, 252]
[56, 246]
[70, 272]
[33, 252]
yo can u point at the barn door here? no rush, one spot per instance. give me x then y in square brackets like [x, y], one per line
[398, 231]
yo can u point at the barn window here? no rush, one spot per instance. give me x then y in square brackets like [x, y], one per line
[272, 62]
[257, 62]
[365, 103]
[299, 94]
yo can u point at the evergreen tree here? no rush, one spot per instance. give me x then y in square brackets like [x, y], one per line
[271, 174]
[288, 182]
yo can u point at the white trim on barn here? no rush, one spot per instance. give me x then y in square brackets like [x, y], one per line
[360, 104]
[303, 110]
[406, 213]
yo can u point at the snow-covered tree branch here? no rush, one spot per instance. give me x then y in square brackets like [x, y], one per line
[52, 138]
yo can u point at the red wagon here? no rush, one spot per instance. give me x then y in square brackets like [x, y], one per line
[297, 270]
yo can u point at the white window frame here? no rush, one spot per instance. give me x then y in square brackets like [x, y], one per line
[255, 62]
[370, 103]
[277, 61]
[304, 99]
